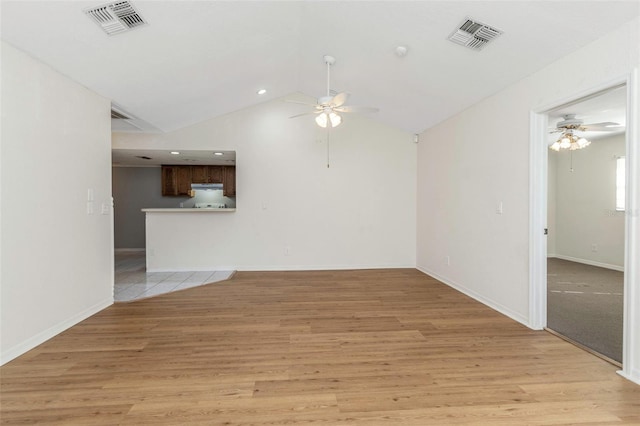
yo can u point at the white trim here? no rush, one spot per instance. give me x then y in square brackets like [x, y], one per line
[589, 262]
[485, 301]
[633, 377]
[283, 268]
[631, 328]
[537, 198]
[538, 164]
[53, 331]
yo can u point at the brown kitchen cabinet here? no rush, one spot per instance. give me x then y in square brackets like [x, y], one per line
[169, 180]
[229, 181]
[184, 180]
[206, 174]
[216, 174]
[199, 174]
[176, 180]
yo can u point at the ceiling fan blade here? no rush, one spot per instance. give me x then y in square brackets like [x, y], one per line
[354, 108]
[305, 113]
[339, 99]
[606, 126]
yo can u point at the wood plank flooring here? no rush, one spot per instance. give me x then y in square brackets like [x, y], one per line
[377, 347]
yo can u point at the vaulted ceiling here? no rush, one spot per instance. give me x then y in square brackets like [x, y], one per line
[200, 59]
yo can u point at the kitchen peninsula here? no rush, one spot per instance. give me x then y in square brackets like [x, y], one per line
[189, 239]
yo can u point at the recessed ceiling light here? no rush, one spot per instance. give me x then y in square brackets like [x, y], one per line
[218, 153]
[174, 153]
[261, 91]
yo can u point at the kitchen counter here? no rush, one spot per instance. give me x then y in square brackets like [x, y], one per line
[191, 239]
[189, 210]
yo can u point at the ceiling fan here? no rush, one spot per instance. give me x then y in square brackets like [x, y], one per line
[328, 108]
[568, 127]
[570, 122]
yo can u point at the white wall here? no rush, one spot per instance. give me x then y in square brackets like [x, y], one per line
[585, 204]
[57, 262]
[472, 161]
[359, 213]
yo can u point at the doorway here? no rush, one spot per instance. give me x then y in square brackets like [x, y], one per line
[586, 223]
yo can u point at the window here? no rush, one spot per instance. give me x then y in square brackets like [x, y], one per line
[620, 201]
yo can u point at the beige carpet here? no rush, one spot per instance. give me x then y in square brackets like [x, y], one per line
[585, 304]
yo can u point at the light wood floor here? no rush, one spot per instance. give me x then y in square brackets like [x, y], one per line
[388, 347]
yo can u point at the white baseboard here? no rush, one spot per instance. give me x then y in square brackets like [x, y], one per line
[47, 334]
[634, 377]
[282, 268]
[589, 262]
[321, 268]
[485, 301]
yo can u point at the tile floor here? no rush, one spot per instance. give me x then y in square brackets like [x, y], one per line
[132, 282]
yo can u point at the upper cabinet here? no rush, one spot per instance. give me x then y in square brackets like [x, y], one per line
[206, 174]
[177, 180]
[199, 174]
[216, 174]
[169, 180]
[184, 180]
[229, 181]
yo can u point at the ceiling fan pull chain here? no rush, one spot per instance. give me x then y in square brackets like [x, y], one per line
[328, 133]
[571, 161]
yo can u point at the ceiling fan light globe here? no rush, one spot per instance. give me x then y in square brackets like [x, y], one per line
[555, 146]
[322, 120]
[335, 119]
[565, 142]
[582, 142]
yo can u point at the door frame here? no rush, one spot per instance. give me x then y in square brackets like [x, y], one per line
[538, 174]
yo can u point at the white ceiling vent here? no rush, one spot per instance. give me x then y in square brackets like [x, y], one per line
[116, 17]
[117, 115]
[473, 34]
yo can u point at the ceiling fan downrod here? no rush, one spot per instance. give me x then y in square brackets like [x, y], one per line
[329, 60]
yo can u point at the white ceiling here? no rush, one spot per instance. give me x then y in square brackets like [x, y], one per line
[201, 59]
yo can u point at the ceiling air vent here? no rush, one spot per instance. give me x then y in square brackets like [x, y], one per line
[118, 115]
[116, 17]
[473, 34]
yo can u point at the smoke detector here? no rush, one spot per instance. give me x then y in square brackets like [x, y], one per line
[473, 34]
[401, 51]
[116, 17]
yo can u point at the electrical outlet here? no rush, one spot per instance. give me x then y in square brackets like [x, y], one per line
[287, 250]
[447, 260]
[594, 248]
